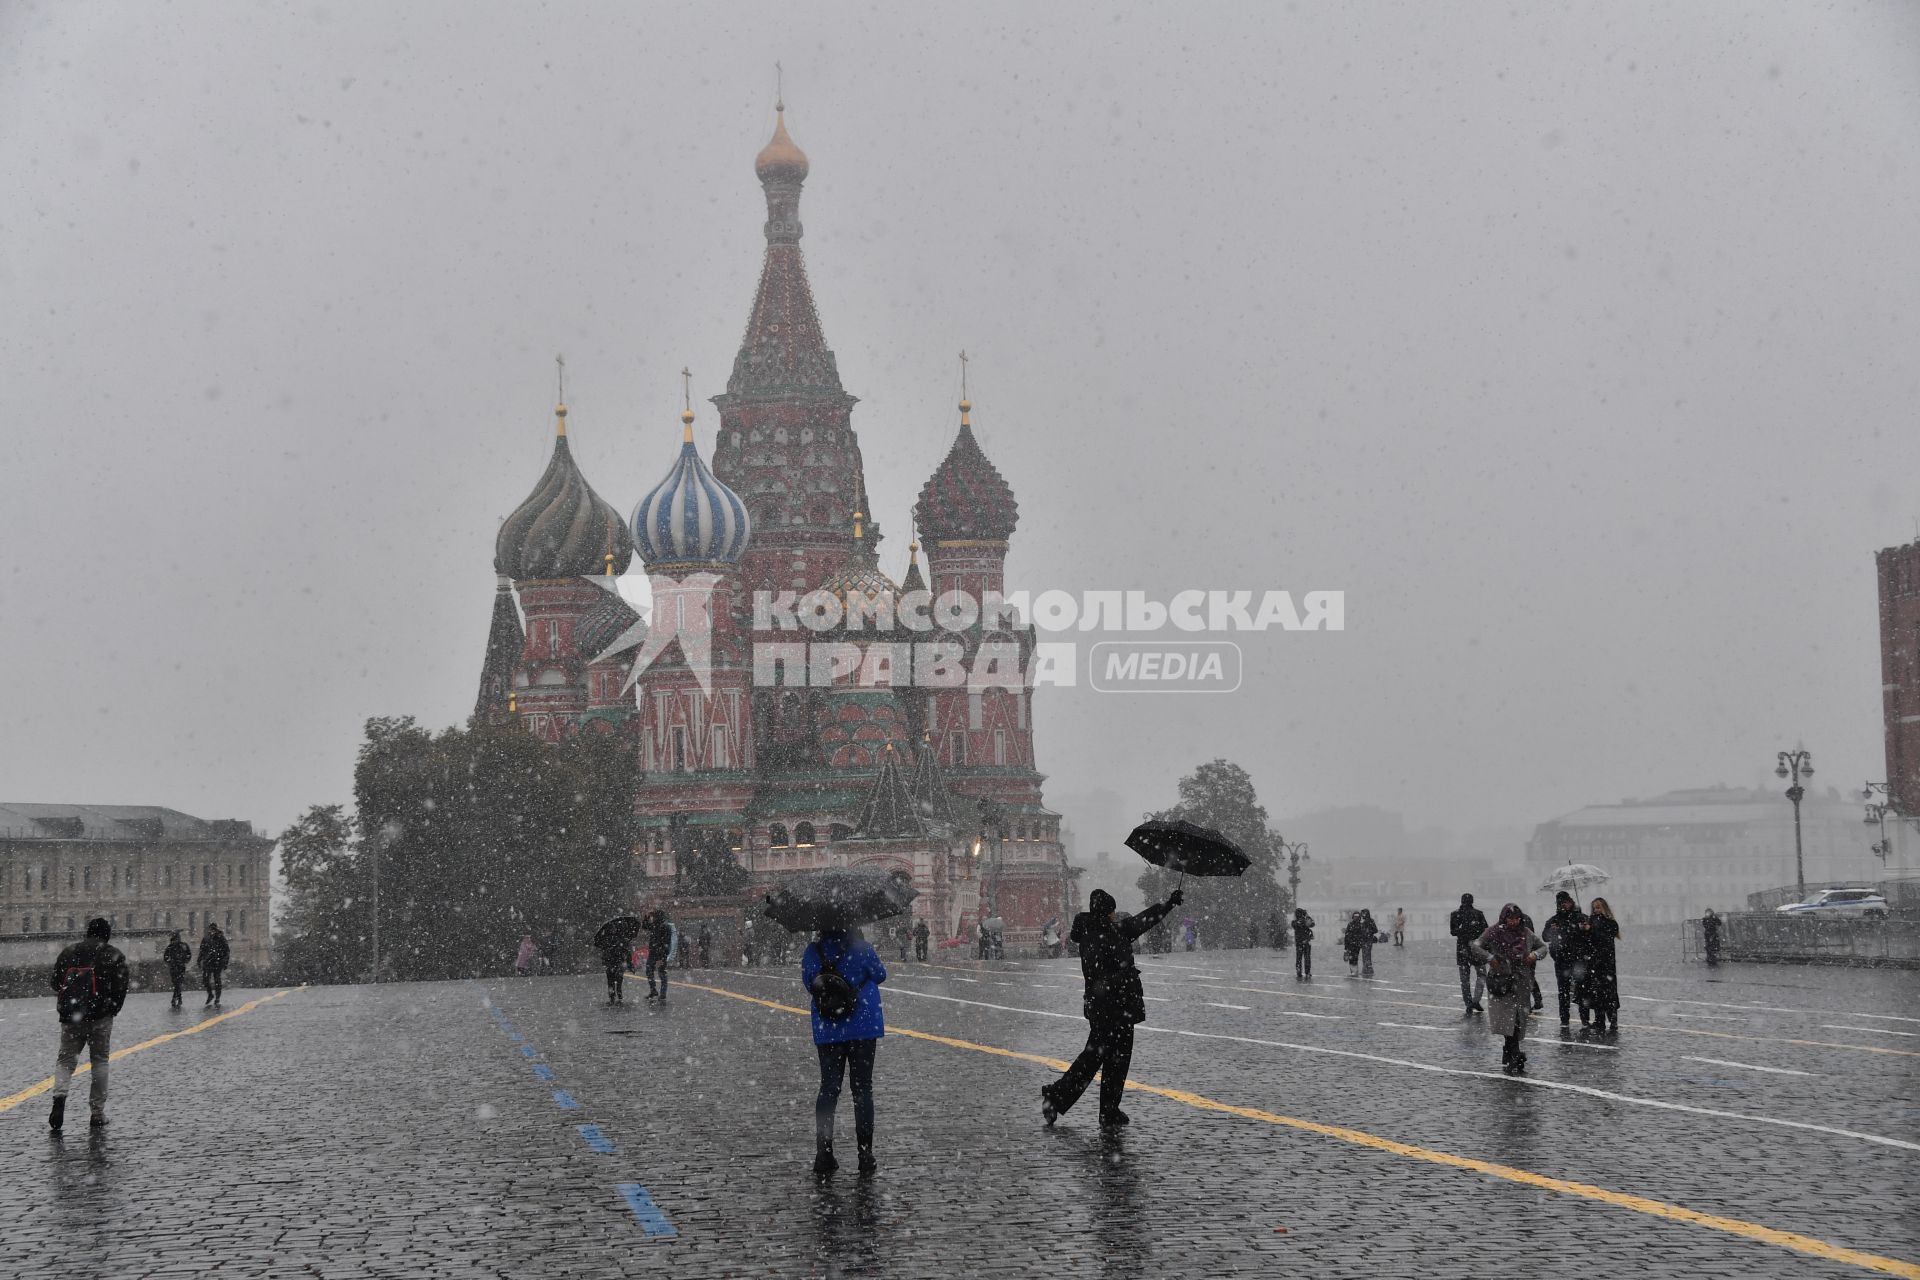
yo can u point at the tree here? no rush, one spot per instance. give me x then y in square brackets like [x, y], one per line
[482, 834]
[322, 935]
[705, 865]
[1220, 794]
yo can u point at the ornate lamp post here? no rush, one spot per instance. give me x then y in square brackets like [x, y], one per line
[1797, 764]
[1296, 854]
[1879, 812]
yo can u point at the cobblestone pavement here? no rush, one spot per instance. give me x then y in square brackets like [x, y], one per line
[525, 1128]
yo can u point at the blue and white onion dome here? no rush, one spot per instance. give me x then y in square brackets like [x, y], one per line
[690, 518]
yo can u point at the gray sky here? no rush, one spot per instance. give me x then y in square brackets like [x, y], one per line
[1577, 345]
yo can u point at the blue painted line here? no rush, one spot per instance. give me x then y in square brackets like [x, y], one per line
[515, 1035]
[652, 1221]
[528, 1051]
[595, 1140]
[542, 1071]
[564, 1100]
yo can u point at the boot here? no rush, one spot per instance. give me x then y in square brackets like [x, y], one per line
[1049, 1109]
[868, 1165]
[58, 1116]
[823, 1162]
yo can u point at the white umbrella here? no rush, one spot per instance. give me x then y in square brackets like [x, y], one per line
[1575, 875]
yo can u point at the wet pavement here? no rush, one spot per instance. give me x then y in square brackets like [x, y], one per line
[1751, 1120]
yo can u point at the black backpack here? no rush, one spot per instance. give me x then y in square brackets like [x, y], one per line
[78, 994]
[836, 999]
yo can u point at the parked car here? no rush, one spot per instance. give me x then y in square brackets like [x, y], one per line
[1838, 902]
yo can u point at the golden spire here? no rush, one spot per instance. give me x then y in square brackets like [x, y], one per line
[513, 704]
[560, 409]
[686, 414]
[780, 158]
[609, 564]
[966, 405]
[858, 516]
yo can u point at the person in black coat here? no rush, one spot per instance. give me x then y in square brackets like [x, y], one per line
[1566, 937]
[1113, 1004]
[1302, 944]
[214, 955]
[1601, 989]
[177, 955]
[1466, 924]
[1350, 940]
[89, 983]
[659, 945]
[1710, 935]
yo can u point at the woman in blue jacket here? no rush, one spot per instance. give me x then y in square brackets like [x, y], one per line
[844, 1042]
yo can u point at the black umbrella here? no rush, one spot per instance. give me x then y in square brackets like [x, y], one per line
[838, 898]
[617, 932]
[1188, 848]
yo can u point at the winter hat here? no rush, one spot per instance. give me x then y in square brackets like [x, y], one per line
[1100, 902]
[1563, 899]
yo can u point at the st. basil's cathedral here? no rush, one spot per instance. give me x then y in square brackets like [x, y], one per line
[936, 783]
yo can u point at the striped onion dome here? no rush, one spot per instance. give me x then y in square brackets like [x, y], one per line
[690, 517]
[564, 529]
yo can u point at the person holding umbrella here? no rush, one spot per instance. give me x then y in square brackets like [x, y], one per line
[842, 974]
[1113, 1004]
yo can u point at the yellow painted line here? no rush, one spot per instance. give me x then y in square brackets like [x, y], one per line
[32, 1091]
[1794, 1241]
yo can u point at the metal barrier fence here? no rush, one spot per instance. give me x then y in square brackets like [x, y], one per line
[1767, 937]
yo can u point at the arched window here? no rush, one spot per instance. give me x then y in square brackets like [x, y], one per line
[776, 836]
[803, 835]
[1020, 831]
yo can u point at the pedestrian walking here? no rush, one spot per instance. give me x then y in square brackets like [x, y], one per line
[749, 948]
[704, 940]
[1050, 938]
[1709, 935]
[844, 974]
[614, 957]
[1113, 1004]
[89, 987]
[523, 958]
[1465, 924]
[1400, 927]
[1369, 934]
[1189, 932]
[659, 952]
[903, 939]
[176, 955]
[1253, 933]
[1602, 987]
[1567, 942]
[214, 955]
[1302, 945]
[1509, 950]
[920, 936]
[1533, 973]
[1350, 943]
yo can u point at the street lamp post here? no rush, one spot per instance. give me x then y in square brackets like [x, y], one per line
[1797, 764]
[1296, 854]
[1878, 812]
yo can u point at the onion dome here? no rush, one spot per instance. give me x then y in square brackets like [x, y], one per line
[564, 529]
[860, 574]
[780, 160]
[966, 498]
[690, 517]
[611, 626]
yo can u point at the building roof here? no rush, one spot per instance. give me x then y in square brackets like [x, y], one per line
[563, 529]
[1695, 807]
[141, 822]
[505, 639]
[966, 497]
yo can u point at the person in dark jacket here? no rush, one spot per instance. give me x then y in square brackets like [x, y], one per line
[920, 936]
[659, 951]
[89, 987]
[1466, 924]
[214, 954]
[1532, 975]
[1350, 942]
[1369, 934]
[1710, 935]
[614, 958]
[1302, 945]
[1566, 940]
[177, 955]
[845, 1045]
[1602, 987]
[704, 940]
[1113, 1004]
